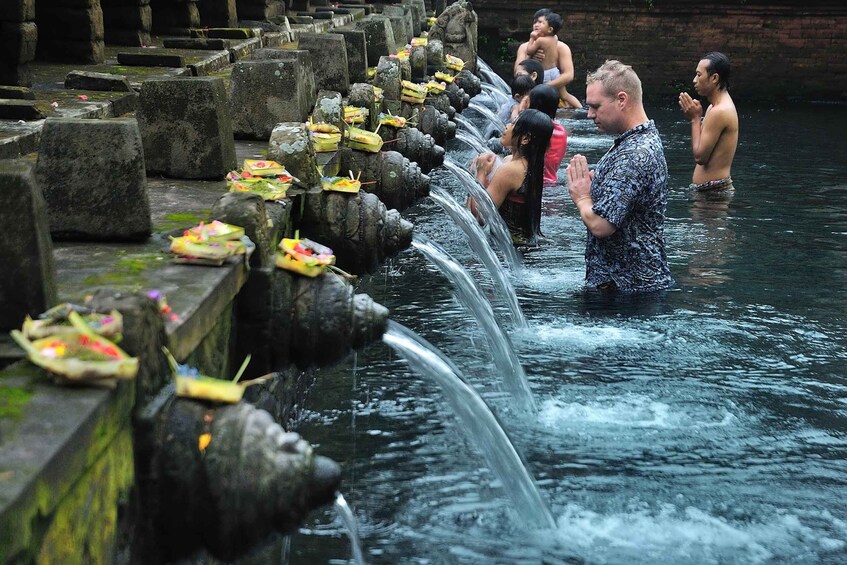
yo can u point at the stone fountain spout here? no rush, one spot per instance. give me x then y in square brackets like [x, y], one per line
[222, 478]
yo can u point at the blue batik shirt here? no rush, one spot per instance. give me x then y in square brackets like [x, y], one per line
[629, 189]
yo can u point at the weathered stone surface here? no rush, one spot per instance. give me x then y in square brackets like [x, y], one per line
[71, 23]
[362, 95]
[418, 14]
[20, 110]
[150, 60]
[92, 175]
[401, 20]
[319, 321]
[128, 37]
[218, 13]
[290, 145]
[456, 28]
[28, 276]
[14, 74]
[265, 93]
[18, 41]
[358, 227]
[232, 33]
[379, 37]
[388, 77]
[125, 16]
[329, 60]
[435, 54]
[417, 63]
[357, 53]
[210, 44]
[328, 108]
[186, 127]
[88, 80]
[18, 11]
[81, 51]
[16, 93]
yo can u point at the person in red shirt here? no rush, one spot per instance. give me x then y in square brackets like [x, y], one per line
[546, 99]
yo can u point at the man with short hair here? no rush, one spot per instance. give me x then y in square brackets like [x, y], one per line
[623, 201]
[714, 137]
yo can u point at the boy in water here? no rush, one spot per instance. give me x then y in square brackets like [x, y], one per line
[544, 38]
[521, 85]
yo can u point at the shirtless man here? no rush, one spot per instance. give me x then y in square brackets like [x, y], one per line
[714, 137]
[564, 62]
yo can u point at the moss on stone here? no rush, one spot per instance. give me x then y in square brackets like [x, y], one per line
[13, 400]
[183, 220]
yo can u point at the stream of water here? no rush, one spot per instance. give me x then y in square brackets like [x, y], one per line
[707, 425]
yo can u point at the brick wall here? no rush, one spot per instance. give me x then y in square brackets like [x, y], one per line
[779, 49]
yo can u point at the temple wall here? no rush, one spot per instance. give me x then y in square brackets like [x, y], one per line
[779, 49]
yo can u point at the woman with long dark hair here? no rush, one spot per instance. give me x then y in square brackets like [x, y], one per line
[517, 184]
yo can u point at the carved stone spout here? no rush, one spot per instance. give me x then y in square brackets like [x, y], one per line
[436, 123]
[359, 228]
[397, 181]
[319, 321]
[222, 478]
[415, 145]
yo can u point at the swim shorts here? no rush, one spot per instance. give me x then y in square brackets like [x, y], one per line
[713, 185]
[551, 74]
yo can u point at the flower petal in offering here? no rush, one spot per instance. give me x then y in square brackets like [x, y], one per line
[392, 120]
[363, 140]
[454, 63]
[56, 322]
[419, 42]
[202, 245]
[436, 87]
[263, 168]
[216, 230]
[190, 383]
[82, 356]
[270, 189]
[445, 77]
[304, 256]
[412, 93]
[341, 184]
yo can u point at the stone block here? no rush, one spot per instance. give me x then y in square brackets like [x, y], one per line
[89, 80]
[13, 74]
[16, 93]
[150, 60]
[328, 108]
[362, 95]
[218, 13]
[232, 33]
[186, 128]
[73, 24]
[129, 37]
[18, 41]
[205, 43]
[71, 51]
[18, 11]
[357, 53]
[401, 21]
[28, 276]
[379, 37]
[329, 60]
[128, 17]
[290, 145]
[388, 77]
[93, 178]
[265, 93]
[20, 110]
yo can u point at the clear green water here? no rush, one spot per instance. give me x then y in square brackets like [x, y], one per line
[705, 426]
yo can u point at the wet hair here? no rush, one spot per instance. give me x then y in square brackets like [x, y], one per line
[522, 84]
[533, 66]
[536, 128]
[718, 63]
[617, 77]
[545, 98]
[555, 21]
[541, 12]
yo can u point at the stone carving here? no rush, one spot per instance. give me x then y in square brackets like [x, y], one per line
[456, 28]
